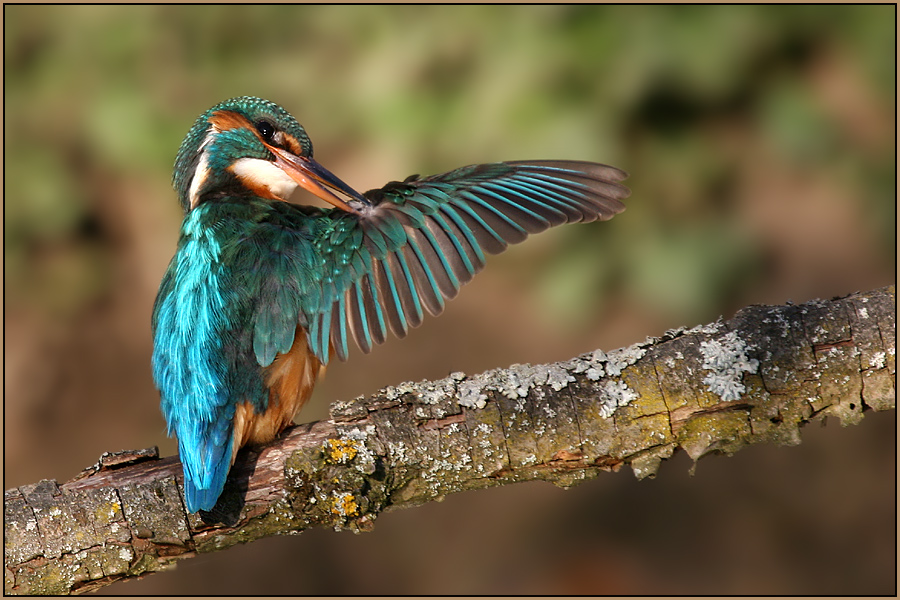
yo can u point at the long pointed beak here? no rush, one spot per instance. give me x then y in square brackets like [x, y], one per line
[315, 178]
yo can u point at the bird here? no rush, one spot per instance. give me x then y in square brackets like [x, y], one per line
[263, 291]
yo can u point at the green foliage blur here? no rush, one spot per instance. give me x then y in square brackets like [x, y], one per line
[761, 146]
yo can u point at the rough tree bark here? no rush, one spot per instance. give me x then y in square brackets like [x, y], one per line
[755, 378]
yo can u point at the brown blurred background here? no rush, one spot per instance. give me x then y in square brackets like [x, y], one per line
[761, 147]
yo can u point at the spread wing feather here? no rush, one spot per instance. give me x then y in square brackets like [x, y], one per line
[422, 239]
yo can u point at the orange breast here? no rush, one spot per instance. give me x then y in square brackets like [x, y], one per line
[290, 379]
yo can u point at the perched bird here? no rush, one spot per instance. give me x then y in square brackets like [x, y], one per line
[262, 293]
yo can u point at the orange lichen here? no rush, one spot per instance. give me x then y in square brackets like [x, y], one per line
[340, 451]
[344, 504]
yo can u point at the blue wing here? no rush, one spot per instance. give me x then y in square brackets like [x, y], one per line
[424, 238]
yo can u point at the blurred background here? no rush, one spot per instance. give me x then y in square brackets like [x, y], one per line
[761, 146]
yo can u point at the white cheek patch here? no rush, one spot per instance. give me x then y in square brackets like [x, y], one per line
[198, 180]
[257, 173]
[202, 171]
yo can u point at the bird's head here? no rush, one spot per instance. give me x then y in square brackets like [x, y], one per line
[250, 146]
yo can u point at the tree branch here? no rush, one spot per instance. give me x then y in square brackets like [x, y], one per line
[713, 389]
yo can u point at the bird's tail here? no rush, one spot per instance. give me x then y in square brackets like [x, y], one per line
[206, 467]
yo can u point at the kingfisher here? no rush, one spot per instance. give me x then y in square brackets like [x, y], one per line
[262, 292]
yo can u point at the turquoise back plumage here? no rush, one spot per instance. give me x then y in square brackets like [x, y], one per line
[249, 270]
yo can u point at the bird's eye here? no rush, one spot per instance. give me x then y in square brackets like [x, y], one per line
[266, 130]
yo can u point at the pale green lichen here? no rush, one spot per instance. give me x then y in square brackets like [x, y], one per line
[726, 359]
[471, 392]
[617, 360]
[615, 394]
[436, 391]
[521, 381]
